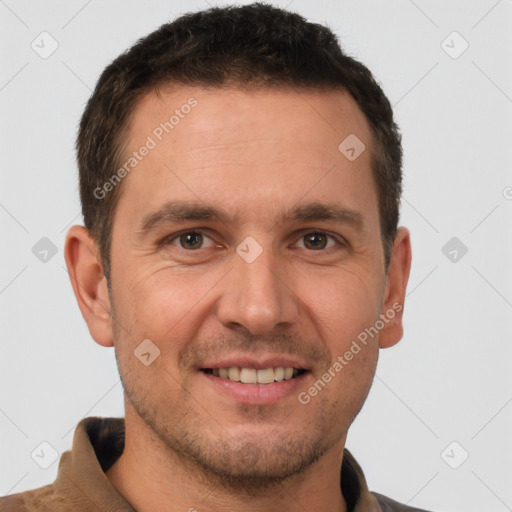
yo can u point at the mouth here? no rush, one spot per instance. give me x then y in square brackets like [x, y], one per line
[248, 375]
[253, 381]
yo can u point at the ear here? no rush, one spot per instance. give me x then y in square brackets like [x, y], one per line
[89, 283]
[396, 284]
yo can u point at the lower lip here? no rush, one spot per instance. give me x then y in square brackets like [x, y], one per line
[257, 394]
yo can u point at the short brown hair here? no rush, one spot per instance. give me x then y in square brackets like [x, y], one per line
[252, 46]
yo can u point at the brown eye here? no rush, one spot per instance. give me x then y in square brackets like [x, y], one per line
[315, 241]
[188, 242]
[320, 241]
[191, 240]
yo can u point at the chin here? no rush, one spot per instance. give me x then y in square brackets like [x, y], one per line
[252, 465]
[249, 459]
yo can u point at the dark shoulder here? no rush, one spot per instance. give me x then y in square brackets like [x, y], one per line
[389, 505]
[107, 437]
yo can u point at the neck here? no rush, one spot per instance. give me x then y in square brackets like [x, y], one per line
[152, 479]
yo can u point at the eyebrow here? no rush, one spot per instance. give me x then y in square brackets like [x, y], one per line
[182, 211]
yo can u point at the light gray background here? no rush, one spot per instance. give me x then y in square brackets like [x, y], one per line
[447, 380]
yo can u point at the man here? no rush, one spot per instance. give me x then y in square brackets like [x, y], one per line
[240, 180]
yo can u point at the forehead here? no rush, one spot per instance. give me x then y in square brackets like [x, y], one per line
[246, 149]
[329, 115]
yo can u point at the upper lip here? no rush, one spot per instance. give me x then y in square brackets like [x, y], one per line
[258, 363]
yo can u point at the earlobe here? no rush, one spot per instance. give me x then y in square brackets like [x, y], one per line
[396, 285]
[89, 283]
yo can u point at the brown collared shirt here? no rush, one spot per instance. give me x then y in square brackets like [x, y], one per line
[81, 483]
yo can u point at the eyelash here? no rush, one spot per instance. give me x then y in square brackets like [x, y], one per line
[340, 242]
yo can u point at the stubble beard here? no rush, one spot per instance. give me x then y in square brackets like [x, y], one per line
[245, 464]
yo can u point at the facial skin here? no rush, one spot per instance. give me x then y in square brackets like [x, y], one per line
[189, 442]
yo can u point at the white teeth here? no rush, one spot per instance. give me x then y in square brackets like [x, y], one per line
[248, 376]
[279, 373]
[253, 376]
[234, 373]
[266, 376]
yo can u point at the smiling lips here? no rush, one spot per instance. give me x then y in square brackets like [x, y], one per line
[255, 369]
[255, 376]
[256, 380]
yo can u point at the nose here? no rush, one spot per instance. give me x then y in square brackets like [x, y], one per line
[257, 297]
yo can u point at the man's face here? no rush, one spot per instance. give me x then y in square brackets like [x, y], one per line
[255, 288]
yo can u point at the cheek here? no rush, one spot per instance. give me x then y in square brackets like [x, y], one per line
[155, 306]
[165, 304]
[350, 306]
[345, 303]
